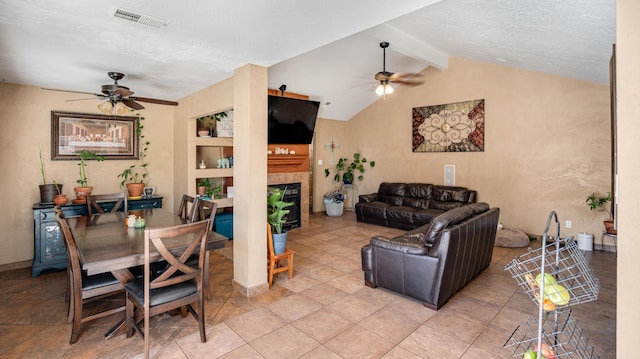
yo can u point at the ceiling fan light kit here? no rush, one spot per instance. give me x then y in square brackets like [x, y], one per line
[386, 78]
[384, 88]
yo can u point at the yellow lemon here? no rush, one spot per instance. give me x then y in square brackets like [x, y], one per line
[557, 294]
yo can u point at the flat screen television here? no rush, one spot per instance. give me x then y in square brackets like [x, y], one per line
[291, 121]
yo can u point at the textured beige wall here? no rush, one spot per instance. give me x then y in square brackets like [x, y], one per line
[25, 126]
[546, 142]
[213, 99]
[628, 103]
[322, 136]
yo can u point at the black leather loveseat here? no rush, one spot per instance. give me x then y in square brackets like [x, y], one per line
[431, 263]
[410, 205]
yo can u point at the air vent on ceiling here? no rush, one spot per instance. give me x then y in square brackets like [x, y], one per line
[140, 18]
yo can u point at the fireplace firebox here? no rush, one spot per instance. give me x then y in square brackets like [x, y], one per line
[292, 194]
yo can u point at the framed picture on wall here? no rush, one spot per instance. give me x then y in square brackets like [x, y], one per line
[114, 137]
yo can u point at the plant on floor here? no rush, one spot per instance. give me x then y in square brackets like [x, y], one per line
[276, 210]
[345, 168]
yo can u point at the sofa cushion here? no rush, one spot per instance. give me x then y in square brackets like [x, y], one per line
[444, 206]
[375, 210]
[391, 193]
[450, 194]
[450, 218]
[400, 214]
[424, 216]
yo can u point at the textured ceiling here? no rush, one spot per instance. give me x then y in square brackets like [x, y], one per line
[328, 50]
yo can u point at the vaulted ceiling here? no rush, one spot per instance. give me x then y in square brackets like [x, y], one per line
[326, 49]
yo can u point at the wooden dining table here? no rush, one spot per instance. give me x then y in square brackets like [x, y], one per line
[107, 244]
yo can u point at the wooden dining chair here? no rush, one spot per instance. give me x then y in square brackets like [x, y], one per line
[188, 208]
[206, 210]
[180, 285]
[94, 200]
[274, 259]
[81, 287]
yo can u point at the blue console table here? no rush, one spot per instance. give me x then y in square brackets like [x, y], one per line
[48, 244]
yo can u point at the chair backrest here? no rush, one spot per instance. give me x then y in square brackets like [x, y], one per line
[207, 210]
[93, 205]
[73, 257]
[176, 270]
[188, 208]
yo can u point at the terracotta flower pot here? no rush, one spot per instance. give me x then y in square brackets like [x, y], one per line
[82, 193]
[202, 190]
[60, 199]
[608, 226]
[135, 189]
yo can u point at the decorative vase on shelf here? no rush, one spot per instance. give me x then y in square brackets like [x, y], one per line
[203, 132]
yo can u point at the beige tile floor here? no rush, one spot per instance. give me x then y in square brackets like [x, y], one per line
[325, 311]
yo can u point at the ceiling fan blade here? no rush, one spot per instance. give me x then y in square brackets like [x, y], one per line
[82, 92]
[154, 100]
[81, 99]
[407, 79]
[124, 92]
[132, 104]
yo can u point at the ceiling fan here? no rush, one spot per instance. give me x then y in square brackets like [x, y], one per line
[118, 98]
[385, 77]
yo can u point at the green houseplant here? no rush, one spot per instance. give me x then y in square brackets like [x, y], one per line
[275, 216]
[211, 188]
[210, 122]
[83, 189]
[136, 176]
[47, 190]
[345, 169]
[598, 202]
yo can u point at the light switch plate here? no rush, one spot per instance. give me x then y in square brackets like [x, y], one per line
[449, 175]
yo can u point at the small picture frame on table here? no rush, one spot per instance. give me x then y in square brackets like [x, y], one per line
[149, 192]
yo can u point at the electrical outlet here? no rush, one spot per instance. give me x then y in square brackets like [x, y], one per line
[567, 224]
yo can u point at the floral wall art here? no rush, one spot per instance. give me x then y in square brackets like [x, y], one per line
[453, 127]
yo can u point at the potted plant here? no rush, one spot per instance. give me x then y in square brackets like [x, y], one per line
[599, 203]
[208, 124]
[345, 169]
[275, 213]
[209, 188]
[59, 199]
[47, 190]
[135, 177]
[83, 190]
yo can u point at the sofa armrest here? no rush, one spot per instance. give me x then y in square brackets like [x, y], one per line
[366, 198]
[402, 244]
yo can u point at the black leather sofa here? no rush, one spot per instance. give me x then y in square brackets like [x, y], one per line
[431, 263]
[410, 205]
